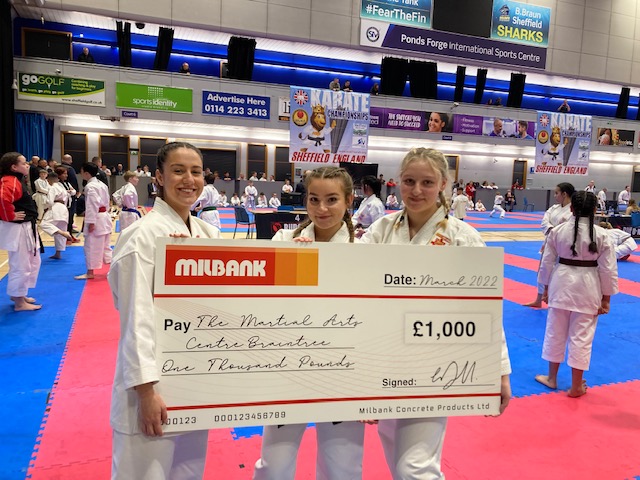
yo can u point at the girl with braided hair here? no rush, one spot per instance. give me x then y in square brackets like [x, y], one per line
[579, 273]
[413, 446]
[340, 445]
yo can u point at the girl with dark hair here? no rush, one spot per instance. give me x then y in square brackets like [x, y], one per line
[18, 214]
[371, 208]
[340, 445]
[140, 450]
[554, 216]
[579, 273]
[413, 447]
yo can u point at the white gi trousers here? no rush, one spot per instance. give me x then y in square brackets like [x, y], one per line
[97, 250]
[339, 457]
[498, 209]
[576, 329]
[51, 227]
[24, 262]
[212, 217]
[170, 457]
[413, 447]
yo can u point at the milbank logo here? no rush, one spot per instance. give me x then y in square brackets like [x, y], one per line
[220, 268]
[215, 265]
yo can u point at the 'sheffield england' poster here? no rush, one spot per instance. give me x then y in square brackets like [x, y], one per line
[562, 143]
[328, 126]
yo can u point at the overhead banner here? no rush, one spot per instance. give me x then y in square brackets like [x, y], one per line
[615, 137]
[562, 143]
[416, 13]
[433, 42]
[328, 126]
[520, 23]
[153, 97]
[397, 119]
[56, 89]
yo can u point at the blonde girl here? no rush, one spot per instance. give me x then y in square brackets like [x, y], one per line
[413, 447]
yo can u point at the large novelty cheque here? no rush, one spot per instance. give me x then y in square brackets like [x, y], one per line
[328, 127]
[277, 333]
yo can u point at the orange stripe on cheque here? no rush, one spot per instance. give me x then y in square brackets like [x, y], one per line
[327, 400]
[215, 265]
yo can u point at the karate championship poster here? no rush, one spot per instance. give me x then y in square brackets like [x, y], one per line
[562, 143]
[328, 126]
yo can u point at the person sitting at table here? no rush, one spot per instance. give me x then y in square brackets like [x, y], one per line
[262, 201]
[287, 187]
[633, 207]
[274, 201]
[623, 242]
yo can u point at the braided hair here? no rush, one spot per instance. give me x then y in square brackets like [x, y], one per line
[583, 204]
[438, 162]
[331, 173]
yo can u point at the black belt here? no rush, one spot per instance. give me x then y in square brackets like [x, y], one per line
[578, 263]
[209, 209]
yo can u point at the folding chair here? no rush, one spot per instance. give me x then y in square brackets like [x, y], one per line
[527, 205]
[242, 218]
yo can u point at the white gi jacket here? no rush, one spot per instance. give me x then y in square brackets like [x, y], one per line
[129, 200]
[341, 236]
[131, 281]
[456, 233]
[602, 200]
[274, 202]
[208, 198]
[56, 204]
[623, 242]
[578, 289]
[554, 216]
[459, 206]
[370, 210]
[96, 196]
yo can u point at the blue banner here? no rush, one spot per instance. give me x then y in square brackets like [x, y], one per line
[520, 23]
[236, 105]
[416, 13]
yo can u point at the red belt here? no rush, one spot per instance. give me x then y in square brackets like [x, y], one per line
[102, 209]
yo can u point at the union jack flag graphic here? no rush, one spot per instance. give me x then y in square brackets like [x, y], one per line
[544, 120]
[301, 97]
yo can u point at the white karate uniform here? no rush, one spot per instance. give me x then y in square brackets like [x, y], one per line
[56, 215]
[129, 200]
[554, 216]
[251, 193]
[623, 199]
[575, 293]
[262, 202]
[287, 188]
[459, 206]
[136, 456]
[40, 195]
[602, 200]
[208, 198]
[96, 244]
[222, 201]
[274, 202]
[370, 210]
[23, 255]
[235, 201]
[340, 446]
[413, 447]
[392, 202]
[623, 242]
[497, 206]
